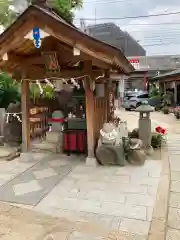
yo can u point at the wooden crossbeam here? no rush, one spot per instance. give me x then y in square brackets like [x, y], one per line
[37, 72]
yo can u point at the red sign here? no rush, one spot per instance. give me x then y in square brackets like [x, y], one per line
[134, 61]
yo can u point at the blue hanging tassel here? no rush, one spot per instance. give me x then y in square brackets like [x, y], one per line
[36, 37]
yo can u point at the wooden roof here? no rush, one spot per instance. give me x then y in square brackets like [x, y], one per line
[175, 73]
[63, 38]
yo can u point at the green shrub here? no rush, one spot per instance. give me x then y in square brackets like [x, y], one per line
[165, 110]
[156, 140]
[177, 115]
[134, 133]
[9, 90]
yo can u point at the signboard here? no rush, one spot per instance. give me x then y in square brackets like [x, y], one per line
[135, 63]
[121, 86]
[51, 61]
[121, 90]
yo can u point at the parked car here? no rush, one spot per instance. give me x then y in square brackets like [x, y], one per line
[135, 99]
[126, 101]
[156, 102]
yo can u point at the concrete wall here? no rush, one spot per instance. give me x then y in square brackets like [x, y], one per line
[113, 35]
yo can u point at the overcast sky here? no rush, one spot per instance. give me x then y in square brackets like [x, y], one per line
[156, 36]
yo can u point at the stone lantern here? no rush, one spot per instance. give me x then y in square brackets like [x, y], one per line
[145, 125]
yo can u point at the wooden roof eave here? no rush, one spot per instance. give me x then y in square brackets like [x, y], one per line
[116, 56]
[14, 35]
[170, 74]
[78, 43]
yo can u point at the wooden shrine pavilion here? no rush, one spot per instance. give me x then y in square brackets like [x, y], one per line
[40, 35]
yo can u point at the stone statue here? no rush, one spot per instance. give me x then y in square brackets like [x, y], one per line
[115, 147]
[110, 150]
[135, 152]
[12, 126]
[55, 135]
[63, 97]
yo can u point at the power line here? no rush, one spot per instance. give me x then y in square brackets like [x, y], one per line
[103, 1]
[158, 41]
[144, 24]
[153, 24]
[160, 44]
[164, 35]
[156, 37]
[154, 31]
[131, 17]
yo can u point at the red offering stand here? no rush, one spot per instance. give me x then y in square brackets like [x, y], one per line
[74, 141]
[56, 120]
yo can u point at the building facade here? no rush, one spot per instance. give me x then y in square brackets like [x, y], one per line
[111, 34]
[150, 66]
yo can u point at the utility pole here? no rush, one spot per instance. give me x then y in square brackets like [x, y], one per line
[95, 14]
[125, 43]
[84, 27]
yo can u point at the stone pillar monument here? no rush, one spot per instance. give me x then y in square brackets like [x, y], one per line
[55, 136]
[145, 126]
[2, 115]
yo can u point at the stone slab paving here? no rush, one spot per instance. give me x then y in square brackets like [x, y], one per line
[173, 228]
[11, 169]
[31, 185]
[159, 217]
[120, 198]
[91, 204]
[22, 224]
[173, 128]
[157, 118]
[104, 203]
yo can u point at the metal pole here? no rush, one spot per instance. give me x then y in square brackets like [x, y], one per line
[125, 43]
[95, 14]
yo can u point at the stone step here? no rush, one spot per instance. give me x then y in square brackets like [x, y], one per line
[53, 137]
[8, 153]
[44, 146]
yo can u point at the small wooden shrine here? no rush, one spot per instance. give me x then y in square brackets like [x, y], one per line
[169, 82]
[42, 45]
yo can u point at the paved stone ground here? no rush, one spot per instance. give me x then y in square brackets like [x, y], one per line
[31, 186]
[121, 198]
[173, 230]
[173, 127]
[10, 170]
[24, 224]
[115, 203]
[104, 203]
[157, 118]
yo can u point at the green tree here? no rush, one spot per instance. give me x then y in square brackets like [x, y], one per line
[9, 90]
[7, 13]
[66, 7]
[10, 10]
[48, 92]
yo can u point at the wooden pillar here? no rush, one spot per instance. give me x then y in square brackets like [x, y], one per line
[145, 81]
[106, 86]
[25, 116]
[165, 87]
[110, 102]
[106, 101]
[89, 110]
[175, 93]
